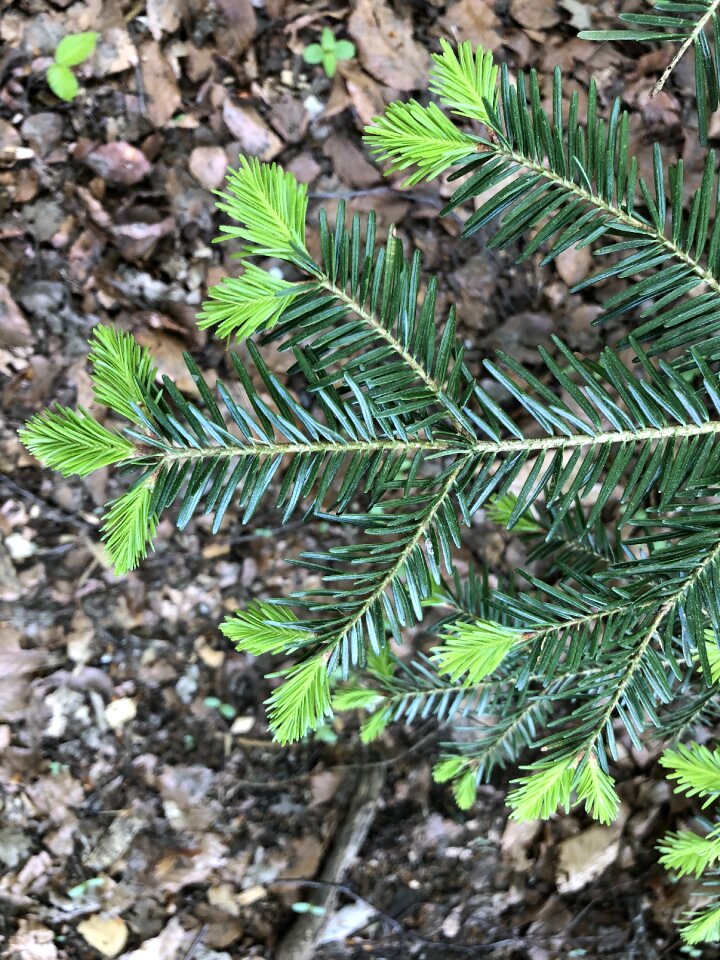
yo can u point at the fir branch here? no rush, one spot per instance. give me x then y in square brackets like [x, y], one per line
[573, 184]
[696, 771]
[270, 207]
[123, 372]
[238, 306]
[73, 442]
[129, 527]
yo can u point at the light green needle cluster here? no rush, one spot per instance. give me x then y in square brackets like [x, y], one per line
[264, 628]
[238, 306]
[549, 787]
[696, 772]
[302, 701]
[269, 208]
[73, 442]
[123, 372]
[410, 135]
[466, 80]
[129, 527]
[472, 651]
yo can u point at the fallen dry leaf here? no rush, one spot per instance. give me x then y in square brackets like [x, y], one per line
[186, 867]
[365, 93]
[163, 16]
[324, 786]
[118, 162]
[535, 14]
[43, 131]
[108, 935]
[580, 13]
[386, 46]
[304, 168]
[574, 265]
[32, 941]
[208, 165]
[253, 134]
[136, 240]
[167, 945]
[119, 712]
[289, 117]
[168, 354]
[161, 88]
[15, 664]
[305, 859]
[14, 328]
[585, 857]
[516, 841]
[114, 842]
[115, 52]
[350, 163]
[473, 20]
[237, 28]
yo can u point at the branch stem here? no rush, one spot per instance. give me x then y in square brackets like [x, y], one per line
[670, 604]
[690, 39]
[611, 210]
[171, 454]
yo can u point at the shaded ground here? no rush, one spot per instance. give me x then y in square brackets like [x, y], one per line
[140, 795]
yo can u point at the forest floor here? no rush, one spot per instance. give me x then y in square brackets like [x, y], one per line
[144, 811]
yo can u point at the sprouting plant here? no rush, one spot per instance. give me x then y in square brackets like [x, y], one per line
[696, 770]
[72, 50]
[83, 889]
[329, 52]
[226, 710]
[608, 468]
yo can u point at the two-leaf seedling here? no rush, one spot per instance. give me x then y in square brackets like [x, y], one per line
[329, 52]
[72, 50]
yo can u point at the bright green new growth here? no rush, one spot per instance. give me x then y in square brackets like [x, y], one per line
[269, 207]
[473, 651]
[466, 81]
[394, 436]
[412, 135]
[123, 372]
[329, 52]
[302, 702]
[238, 306]
[696, 770]
[73, 442]
[263, 628]
[129, 527]
[72, 50]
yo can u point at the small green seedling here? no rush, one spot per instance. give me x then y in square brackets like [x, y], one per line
[329, 51]
[84, 888]
[72, 50]
[225, 709]
[311, 908]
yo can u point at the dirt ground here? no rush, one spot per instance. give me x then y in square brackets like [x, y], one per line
[144, 811]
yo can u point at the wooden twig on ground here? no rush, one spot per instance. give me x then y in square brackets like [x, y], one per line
[300, 941]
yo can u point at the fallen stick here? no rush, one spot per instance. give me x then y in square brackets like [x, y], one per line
[300, 941]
